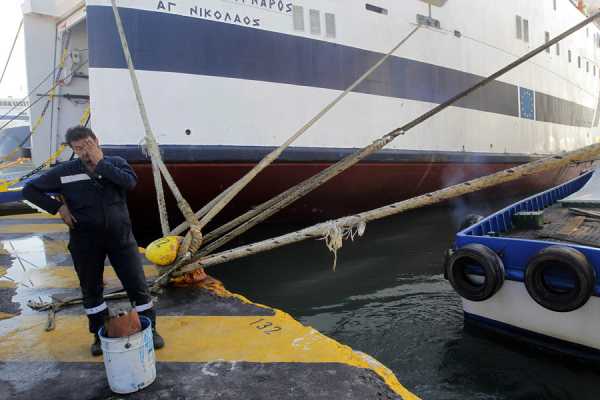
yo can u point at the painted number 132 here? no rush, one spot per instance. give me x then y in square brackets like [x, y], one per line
[265, 326]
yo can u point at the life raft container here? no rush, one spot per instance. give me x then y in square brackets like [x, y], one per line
[560, 278]
[475, 272]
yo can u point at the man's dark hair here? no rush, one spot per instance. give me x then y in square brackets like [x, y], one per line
[77, 133]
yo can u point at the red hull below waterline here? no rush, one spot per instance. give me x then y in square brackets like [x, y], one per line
[362, 187]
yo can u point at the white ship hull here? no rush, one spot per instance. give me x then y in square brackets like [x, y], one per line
[226, 81]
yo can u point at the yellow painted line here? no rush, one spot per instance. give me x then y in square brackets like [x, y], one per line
[4, 315]
[193, 339]
[33, 228]
[66, 277]
[30, 216]
[6, 284]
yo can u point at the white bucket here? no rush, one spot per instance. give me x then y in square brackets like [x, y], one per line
[129, 361]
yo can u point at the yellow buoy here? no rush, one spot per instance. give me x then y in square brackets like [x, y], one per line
[163, 251]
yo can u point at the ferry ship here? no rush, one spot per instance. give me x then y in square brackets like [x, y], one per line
[227, 81]
[14, 128]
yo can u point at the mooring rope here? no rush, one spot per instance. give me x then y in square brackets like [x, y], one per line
[267, 209]
[10, 53]
[195, 238]
[358, 221]
[160, 198]
[332, 235]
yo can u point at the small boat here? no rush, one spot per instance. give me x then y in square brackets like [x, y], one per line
[531, 270]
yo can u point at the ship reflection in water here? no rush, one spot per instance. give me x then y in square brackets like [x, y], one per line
[388, 298]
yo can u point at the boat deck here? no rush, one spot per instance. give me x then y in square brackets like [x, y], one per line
[565, 225]
[219, 345]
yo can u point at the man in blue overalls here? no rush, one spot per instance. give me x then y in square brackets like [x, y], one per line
[94, 189]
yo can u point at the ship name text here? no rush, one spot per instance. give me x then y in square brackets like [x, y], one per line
[211, 13]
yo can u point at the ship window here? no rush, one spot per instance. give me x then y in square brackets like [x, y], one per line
[519, 27]
[569, 55]
[526, 30]
[558, 49]
[578, 61]
[329, 25]
[298, 18]
[547, 37]
[554, 4]
[315, 22]
[376, 9]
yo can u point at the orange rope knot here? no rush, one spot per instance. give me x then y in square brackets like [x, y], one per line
[196, 278]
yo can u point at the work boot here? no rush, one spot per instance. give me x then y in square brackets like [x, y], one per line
[97, 347]
[159, 342]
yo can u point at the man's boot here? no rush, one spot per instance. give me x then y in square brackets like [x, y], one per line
[96, 321]
[96, 346]
[159, 342]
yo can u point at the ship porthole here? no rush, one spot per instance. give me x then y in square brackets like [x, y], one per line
[560, 278]
[475, 272]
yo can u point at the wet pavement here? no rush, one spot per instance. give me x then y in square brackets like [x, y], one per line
[219, 345]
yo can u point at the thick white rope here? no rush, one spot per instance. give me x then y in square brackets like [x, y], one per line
[357, 221]
[160, 198]
[158, 186]
[150, 138]
[281, 201]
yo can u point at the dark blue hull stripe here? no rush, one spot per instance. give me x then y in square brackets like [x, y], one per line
[253, 154]
[523, 335]
[174, 43]
[14, 118]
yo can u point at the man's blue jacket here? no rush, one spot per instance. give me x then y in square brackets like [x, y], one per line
[98, 200]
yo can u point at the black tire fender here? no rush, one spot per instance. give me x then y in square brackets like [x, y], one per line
[486, 260]
[570, 260]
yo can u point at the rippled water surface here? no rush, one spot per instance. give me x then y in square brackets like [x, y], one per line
[388, 298]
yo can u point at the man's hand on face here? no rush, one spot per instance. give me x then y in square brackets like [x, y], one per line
[66, 216]
[94, 152]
